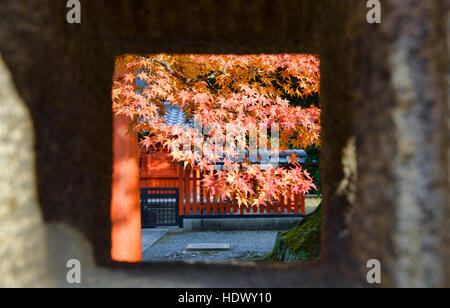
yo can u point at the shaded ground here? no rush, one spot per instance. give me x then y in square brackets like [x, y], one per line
[244, 245]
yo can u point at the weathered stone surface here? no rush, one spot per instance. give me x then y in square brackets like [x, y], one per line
[401, 127]
[22, 239]
[385, 104]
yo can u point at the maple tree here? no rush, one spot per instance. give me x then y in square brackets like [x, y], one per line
[228, 95]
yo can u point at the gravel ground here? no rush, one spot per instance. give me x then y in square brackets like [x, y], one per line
[245, 245]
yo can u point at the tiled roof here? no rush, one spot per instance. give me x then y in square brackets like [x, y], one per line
[175, 116]
[267, 161]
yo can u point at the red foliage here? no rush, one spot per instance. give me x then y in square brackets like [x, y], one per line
[233, 93]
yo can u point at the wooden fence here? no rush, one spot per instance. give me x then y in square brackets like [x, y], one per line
[197, 200]
[158, 171]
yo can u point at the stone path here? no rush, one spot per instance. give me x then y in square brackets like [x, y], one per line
[151, 236]
[245, 245]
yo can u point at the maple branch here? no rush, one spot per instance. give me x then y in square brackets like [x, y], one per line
[169, 69]
[256, 71]
[177, 75]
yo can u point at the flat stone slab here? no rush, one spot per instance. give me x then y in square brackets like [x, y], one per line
[208, 247]
[151, 236]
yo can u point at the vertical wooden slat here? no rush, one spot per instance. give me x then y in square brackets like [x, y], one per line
[286, 205]
[194, 191]
[289, 204]
[254, 209]
[221, 203]
[235, 206]
[201, 202]
[242, 209]
[147, 163]
[201, 193]
[181, 191]
[215, 204]
[224, 205]
[248, 209]
[187, 191]
[204, 193]
[297, 203]
[282, 204]
[142, 162]
[191, 191]
[227, 206]
[296, 206]
[208, 196]
[208, 202]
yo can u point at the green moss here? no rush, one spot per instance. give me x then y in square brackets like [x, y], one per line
[301, 243]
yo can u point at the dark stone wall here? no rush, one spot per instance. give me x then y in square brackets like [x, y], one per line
[63, 74]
